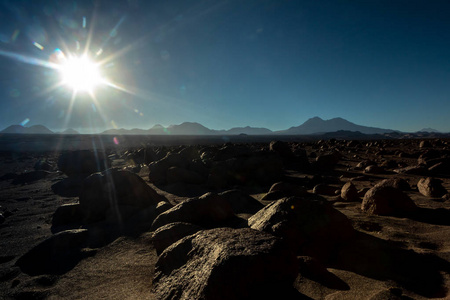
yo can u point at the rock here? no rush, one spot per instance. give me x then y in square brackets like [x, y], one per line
[325, 189]
[177, 174]
[9, 176]
[168, 234]
[282, 148]
[283, 189]
[374, 169]
[43, 165]
[56, 255]
[67, 214]
[241, 203]
[310, 227]
[209, 211]
[414, 170]
[313, 269]
[2, 218]
[398, 183]
[349, 192]
[158, 169]
[363, 164]
[425, 144]
[431, 187]
[327, 161]
[387, 201]
[102, 191]
[224, 263]
[83, 162]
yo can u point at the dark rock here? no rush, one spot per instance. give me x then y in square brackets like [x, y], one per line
[282, 148]
[67, 214]
[311, 227]
[168, 234]
[398, 183]
[425, 144]
[327, 161]
[56, 255]
[431, 187]
[313, 269]
[224, 263]
[209, 211]
[113, 188]
[414, 170]
[387, 201]
[325, 189]
[283, 189]
[363, 164]
[241, 203]
[349, 192]
[9, 176]
[374, 169]
[43, 165]
[83, 162]
[2, 218]
[177, 174]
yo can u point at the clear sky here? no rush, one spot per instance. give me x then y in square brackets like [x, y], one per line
[226, 64]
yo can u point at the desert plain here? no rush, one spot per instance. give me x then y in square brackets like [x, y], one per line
[97, 217]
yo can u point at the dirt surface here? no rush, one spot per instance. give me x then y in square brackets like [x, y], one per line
[405, 257]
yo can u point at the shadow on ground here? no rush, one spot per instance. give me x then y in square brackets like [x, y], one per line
[385, 260]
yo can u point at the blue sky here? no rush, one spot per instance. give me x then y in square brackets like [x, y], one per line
[225, 64]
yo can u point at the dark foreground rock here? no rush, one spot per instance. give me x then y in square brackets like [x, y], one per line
[311, 227]
[168, 234]
[113, 191]
[56, 255]
[225, 263]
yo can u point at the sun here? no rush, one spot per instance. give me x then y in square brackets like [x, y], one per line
[80, 74]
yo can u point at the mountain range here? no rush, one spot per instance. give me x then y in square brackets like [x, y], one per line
[312, 126]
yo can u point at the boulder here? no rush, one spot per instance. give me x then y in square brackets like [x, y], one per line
[325, 189]
[225, 263]
[43, 165]
[282, 148]
[374, 169]
[431, 187]
[398, 183]
[32, 176]
[83, 162]
[67, 214]
[414, 170]
[387, 201]
[283, 189]
[55, 255]
[327, 161]
[168, 234]
[177, 174]
[349, 192]
[209, 210]
[240, 202]
[310, 227]
[113, 188]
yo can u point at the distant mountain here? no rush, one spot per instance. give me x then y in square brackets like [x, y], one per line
[317, 125]
[428, 130]
[70, 131]
[19, 129]
[249, 130]
[189, 128]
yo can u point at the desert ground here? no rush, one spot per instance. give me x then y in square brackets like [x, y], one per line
[214, 218]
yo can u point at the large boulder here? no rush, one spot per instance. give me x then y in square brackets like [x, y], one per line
[83, 162]
[177, 175]
[111, 189]
[431, 187]
[55, 255]
[225, 263]
[209, 210]
[240, 202]
[386, 200]
[311, 227]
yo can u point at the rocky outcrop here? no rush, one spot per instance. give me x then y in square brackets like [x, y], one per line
[224, 263]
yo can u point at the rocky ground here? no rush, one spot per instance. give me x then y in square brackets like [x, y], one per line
[328, 219]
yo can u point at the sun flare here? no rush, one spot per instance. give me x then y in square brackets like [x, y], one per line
[80, 73]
